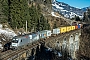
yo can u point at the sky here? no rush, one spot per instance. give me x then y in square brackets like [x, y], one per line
[77, 3]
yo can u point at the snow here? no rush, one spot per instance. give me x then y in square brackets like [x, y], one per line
[66, 15]
[1, 46]
[57, 6]
[62, 4]
[0, 25]
[59, 54]
[70, 8]
[54, 0]
[50, 49]
[54, 14]
[7, 32]
[0, 41]
[3, 39]
[64, 10]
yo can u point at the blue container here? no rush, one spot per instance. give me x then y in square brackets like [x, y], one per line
[78, 26]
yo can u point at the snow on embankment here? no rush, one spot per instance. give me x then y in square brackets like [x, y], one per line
[7, 32]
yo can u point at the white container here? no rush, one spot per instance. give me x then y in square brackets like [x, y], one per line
[48, 33]
[34, 36]
[56, 31]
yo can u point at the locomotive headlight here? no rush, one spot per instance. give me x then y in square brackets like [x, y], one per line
[16, 39]
[14, 44]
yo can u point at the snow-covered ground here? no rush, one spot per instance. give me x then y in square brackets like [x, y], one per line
[7, 32]
[1, 47]
[54, 14]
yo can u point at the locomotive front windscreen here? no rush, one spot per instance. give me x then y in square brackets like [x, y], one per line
[15, 41]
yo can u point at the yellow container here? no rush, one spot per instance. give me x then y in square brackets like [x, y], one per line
[62, 29]
[73, 27]
[69, 28]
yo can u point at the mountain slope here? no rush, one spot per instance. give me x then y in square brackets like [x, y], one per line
[67, 10]
[85, 8]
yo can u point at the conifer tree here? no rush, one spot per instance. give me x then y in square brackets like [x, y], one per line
[19, 13]
[4, 11]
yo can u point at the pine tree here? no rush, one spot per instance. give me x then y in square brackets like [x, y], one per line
[19, 13]
[77, 18]
[4, 11]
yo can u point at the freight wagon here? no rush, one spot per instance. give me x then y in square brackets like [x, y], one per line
[76, 27]
[56, 31]
[63, 29]
[42, 34]
[48, 33]
[68, 28]
[72, 27]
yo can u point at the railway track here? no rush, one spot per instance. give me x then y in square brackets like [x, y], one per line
[4, 54]
[9, 53]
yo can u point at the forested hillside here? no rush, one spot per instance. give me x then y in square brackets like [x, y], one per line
[17, 12]
[36, 12]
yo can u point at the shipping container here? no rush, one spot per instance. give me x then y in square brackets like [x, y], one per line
[48, 33]
[42, 34]
[63, 29]
[80, 25]
[56, 31]
[73, 27]
[68, 28]
[76, 27]
[34, 36]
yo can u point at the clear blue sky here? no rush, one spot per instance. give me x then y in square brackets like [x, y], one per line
[77, 3]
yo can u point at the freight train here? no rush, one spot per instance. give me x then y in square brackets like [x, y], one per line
[20, 41]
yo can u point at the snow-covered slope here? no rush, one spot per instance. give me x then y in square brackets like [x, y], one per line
[7, 32]
[67, 10]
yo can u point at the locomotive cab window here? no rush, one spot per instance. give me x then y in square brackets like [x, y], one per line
[15, 41]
